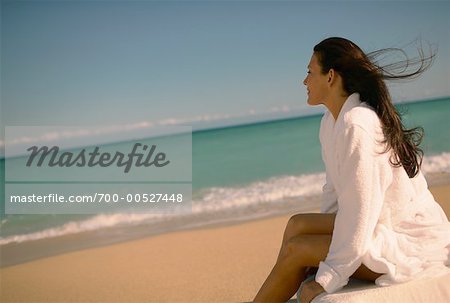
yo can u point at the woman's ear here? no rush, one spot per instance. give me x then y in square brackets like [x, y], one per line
[331, 76]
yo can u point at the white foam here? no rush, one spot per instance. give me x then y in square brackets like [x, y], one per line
[271, 190]
[73, 227]
[212, 200]
[217, 199]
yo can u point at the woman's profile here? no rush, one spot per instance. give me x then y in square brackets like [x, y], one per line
[378, 220]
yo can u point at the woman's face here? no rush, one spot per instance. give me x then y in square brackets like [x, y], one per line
[316, 83]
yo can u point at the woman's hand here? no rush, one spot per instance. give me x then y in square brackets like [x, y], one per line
[309, 291]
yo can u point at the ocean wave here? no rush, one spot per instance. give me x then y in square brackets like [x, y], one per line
[73, 227]
[214, 200]
[271, 190]
[211, 200]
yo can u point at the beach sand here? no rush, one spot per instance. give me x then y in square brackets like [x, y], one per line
[221, 264]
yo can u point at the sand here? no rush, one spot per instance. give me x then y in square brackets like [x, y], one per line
[222, 264]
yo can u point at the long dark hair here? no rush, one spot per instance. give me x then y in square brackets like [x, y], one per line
[361, 73]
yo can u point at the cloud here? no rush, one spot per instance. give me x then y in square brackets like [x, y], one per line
[119, 132]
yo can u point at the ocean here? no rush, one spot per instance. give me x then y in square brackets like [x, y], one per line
[239, 173]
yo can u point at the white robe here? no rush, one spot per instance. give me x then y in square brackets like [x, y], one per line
[384, 220]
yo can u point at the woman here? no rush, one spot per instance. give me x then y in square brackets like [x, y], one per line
[379, 222]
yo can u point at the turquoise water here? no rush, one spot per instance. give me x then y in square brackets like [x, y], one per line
[433, 116]
[244, 154]
[239, 169]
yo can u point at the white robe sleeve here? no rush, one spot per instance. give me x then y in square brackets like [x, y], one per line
[364, 174]
[329, 197]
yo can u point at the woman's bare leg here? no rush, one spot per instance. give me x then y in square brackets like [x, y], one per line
[288, 273]
[298, 225]
[303, 224]
[306, 242]
[363, 273]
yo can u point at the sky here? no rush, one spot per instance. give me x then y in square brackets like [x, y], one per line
[187, 62]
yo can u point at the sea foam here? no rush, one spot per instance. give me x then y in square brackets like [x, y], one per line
[214, 200]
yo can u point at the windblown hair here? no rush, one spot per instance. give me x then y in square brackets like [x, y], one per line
[361, 73]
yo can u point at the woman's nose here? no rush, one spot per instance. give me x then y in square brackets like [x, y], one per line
[304, 81]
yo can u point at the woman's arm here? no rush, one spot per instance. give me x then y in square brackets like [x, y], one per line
[364, 177]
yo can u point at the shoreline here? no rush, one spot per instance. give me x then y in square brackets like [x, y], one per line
[196, 265]
[218, 264]
[12, 254]
[18, 253]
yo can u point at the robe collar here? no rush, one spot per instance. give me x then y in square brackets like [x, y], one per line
[351, 102]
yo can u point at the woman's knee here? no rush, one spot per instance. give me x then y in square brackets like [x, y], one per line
[310, 223]
[295, 226]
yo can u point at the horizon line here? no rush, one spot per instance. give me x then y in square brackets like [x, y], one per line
[307, 115]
